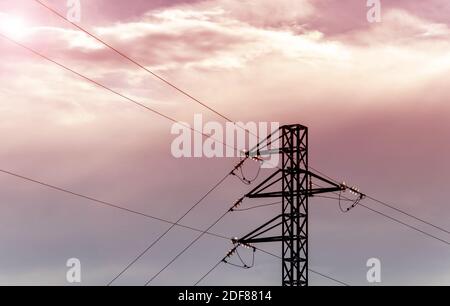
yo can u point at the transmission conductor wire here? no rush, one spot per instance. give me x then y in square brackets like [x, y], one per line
[399, 221]
[391, 206]
[310, 270]
[167, 82]
[405, 224]
[258, 206]
[186, 248]
[146, 250]
[185, 93]
[124, 209]
[408, 214]
[273, 255]
[208, 107]
[106, 204]
[116, 92]
[123, 96]
[209, 272]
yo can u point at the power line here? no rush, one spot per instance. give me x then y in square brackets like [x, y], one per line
[134, 212]
[131, 100]
[273, 255]
[405, 224]
[209, 272]
[189, 96]
[258, 206]
[186, 248]
[392, 207]
[109, 204]
[141, 105]
[125, 97]
[104, 203]
[399, 221]
[114, 91]
[135, 62]
[122, 54]
[310, 270]
[244, 264]
[169, 118]
[408, 214]
[332, 198]
[323, 174]
[329, 277]
[396, 220]
[141, 66]
[353, 205]
[169, 229]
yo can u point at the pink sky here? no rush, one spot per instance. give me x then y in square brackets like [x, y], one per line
[374, 96]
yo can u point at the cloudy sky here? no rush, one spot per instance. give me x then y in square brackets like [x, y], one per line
[374, 95]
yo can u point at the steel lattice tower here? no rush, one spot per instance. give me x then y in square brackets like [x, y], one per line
[296, 189]
[295, 182]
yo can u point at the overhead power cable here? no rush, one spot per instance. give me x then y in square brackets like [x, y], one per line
[164, 80]
[405, 224]
[258, 206]
[384, 203]
[409, 215]
[273, 255]
[244, 264]
[209, 272]
[153, 243]
[141, 66]
[140, 104]
[115, 206]
[399, 221]
[184, 93]
[332, 198]
[310, 270]
[105, 203]
[186, 248]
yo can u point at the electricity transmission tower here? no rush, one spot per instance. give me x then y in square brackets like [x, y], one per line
[296, 188]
